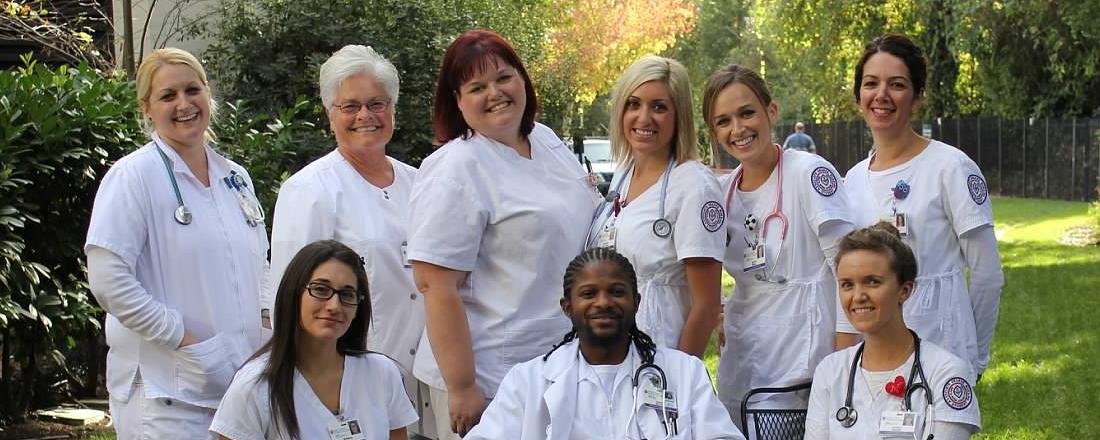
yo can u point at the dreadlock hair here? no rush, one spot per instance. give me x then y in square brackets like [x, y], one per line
[645, 345]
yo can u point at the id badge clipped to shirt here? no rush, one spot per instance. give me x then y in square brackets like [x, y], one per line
[405, 255]
[346, 430]
[755, 257]
[606, 238]
[900, 424]
[899, 220]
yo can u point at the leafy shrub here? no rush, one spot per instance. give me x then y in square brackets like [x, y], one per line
[59, 129]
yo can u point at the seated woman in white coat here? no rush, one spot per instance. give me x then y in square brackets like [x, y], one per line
[605, 379]
[314, 378]
[665, 216]
[894, 383]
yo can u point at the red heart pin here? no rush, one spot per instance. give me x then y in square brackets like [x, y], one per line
[897, 387]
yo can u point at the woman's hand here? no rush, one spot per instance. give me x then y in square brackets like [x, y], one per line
[465, 406]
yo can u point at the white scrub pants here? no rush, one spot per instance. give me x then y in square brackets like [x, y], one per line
[420, 393]
[159, 418]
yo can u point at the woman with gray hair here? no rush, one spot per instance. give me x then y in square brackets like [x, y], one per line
[359, 196]
[666, 215]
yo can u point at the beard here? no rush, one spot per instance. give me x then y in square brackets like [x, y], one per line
[607, 339]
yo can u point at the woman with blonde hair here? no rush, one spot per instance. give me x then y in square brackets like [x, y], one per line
[664, 215]
[176, 253]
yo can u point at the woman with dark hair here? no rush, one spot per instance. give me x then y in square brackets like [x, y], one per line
[314, 378]
[496, 214]
[894, 384]
[935, 196]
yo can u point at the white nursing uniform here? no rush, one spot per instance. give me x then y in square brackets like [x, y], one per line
[692, 204]
[778, 329]
[514, 224]
[330, 200]
[946, 198]
[565, 398]
[371, 396]
[204, 278]
[949, 377]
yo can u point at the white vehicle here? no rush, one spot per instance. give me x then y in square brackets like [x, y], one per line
[596, 157]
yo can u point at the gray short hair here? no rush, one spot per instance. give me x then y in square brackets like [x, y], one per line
[352, 60]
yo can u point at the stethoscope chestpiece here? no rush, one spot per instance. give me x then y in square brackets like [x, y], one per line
[182, 215]
[847, 416]
[662, 228]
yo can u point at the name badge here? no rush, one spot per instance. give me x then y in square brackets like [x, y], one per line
[405, 254]
[346, 430]
[607, 235]
[653, 400]
[899, 424]
[900, 221]
[755, 258]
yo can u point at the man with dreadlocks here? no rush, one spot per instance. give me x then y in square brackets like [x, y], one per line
[606, 378]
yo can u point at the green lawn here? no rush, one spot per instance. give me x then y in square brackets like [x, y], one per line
[1040, 382]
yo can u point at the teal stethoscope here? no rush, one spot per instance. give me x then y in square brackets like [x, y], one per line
[662, 228]
[253, 214]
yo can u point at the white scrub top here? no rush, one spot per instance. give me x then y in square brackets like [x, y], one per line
[946, 197]
[371, 394]
[949, 378]
[561, 398]
[329, 199]
[693, 206]
[514, 224]
[777, 332]
[204, 277]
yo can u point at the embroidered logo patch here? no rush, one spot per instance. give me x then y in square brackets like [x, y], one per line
[824, 181]
[957, 393]
[713, 215]
[978, 191]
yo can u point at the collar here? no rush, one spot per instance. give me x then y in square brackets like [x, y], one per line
[219, 167]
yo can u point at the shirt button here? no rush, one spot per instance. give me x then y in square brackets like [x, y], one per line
[412, 296]
[412, 351]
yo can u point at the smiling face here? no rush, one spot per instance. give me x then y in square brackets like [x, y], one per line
[326, 320]
[363, 129]
[742, 124]
[649, 119]
[178, 106]
[601, 305]
[493, 99]
[870, 292]
[886, 94]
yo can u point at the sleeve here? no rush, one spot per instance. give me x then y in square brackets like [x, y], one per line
[979, 247]
[966, 196]
[952, 431]
[399, 408]
[118, 291]
[446, 222]
[821, 195]
[243, 413]
[953, 396]
[710, 418]
[303, 214]
[817, 413]
[504, 416]
[699, 226]
[121, 213]
[829, 239]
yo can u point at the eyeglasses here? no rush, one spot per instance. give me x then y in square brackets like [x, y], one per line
[323, 292]
[374, 106]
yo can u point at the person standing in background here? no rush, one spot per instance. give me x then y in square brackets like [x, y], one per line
[799, 140]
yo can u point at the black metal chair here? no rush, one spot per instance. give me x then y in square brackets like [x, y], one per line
[774, 424]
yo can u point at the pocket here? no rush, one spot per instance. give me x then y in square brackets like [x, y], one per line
[780, 351]
[203, 370]
[527, 339]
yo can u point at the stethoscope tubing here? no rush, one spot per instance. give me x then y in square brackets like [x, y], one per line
[615, 193]
[847, 415]
[182, 214]
[635, 381]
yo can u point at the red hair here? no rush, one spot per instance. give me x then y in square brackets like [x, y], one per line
[471, 53]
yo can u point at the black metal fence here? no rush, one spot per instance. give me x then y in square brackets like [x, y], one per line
[1051, 158]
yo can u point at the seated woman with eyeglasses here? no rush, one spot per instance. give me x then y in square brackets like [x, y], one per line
[314, 378]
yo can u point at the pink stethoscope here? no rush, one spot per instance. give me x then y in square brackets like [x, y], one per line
[777, 212]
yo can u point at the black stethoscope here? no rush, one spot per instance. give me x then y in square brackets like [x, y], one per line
[253, 214]
[847, 414]
[656, 375]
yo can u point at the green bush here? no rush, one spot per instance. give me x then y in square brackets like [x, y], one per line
[59, 129]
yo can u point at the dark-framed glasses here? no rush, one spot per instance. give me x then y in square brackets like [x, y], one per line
[374, 106]
[324, 291]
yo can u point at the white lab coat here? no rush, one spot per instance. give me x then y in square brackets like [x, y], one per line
[693, 206]
[948, 197]
[514, 224]
[329, 199]
[204, 277]
[776, 333]
[370, 393]
[950, 379]
[543, 400]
